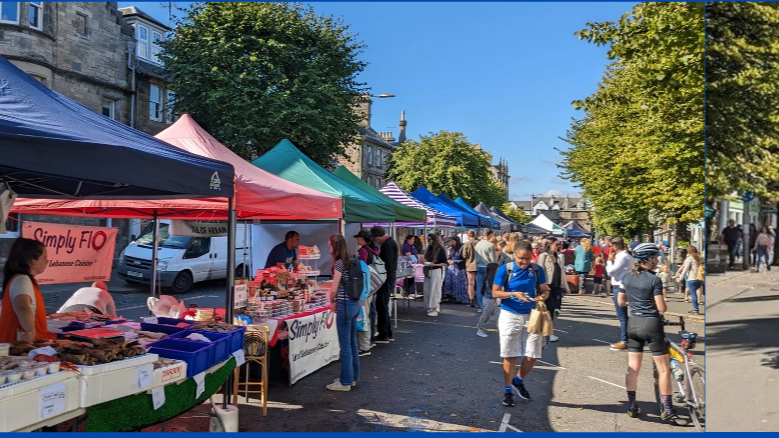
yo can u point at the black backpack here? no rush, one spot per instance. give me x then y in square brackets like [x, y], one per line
[354, 286]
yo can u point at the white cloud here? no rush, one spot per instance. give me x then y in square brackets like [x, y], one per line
[550, 193]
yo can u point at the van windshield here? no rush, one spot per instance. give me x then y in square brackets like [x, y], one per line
[166, 240]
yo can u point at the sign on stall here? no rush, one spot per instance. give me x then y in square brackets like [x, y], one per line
[53, 399]
[198, 228]
[76, 253]
[241, 295]
[313, 343]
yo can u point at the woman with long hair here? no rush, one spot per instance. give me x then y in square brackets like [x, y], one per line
[347, 311]
[23, 315]
[435, 261]
[644, 293]
[762, 247]
[689, 274]
[455, 283]
[583, 262]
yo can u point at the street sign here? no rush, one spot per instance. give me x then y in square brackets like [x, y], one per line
[748, 196]
[768, 208]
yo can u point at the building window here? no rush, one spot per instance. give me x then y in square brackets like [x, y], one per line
[36, 15]
[370, 155]
[370, 180]
[155, 103]
[109, 108]
[82, 23]
[143, 42]
[170, 99]
[155, 47]
[9, 12]
[378, 157]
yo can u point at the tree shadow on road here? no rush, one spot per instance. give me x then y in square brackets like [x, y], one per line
[743, 335]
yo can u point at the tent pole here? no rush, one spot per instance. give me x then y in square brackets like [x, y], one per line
[154, 253]
[227, 390]
[245, 249]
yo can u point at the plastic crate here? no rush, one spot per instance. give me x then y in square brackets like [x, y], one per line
[173, 321]
[20, 403]
[161, 328]
[111, 381]
[222, 342]
[199, 356]
[237, 339]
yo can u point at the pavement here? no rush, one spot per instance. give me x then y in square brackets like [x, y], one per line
[744, 351]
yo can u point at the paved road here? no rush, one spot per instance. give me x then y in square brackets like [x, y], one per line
[439, 376]
[743, 352]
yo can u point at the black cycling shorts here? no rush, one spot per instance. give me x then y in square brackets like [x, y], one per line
[643, 331]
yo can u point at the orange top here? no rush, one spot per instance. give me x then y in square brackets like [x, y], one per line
[9, 321]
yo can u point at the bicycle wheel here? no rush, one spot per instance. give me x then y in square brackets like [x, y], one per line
[697, 381]
[658, 398]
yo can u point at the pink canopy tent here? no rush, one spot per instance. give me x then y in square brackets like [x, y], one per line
[258, 194]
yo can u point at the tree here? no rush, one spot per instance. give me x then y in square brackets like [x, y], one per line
[639, 147]
[742, 115]
[446, 162]
[262, 72]
[515, 214]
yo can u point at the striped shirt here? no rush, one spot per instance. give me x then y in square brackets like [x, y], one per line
[339, 266]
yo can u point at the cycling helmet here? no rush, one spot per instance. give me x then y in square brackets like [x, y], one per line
[645, 251]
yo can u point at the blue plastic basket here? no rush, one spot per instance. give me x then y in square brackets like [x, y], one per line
[237, 339]
[199, 356]
[160, 328]
[173, 321]
[221, 342]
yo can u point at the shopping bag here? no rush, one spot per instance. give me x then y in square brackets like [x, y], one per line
[540, 321]
[362, 318]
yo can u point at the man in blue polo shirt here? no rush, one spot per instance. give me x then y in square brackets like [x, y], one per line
[285, 252]
[519, 285]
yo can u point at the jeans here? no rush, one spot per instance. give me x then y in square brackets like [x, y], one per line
[622, 315]
[762, 252]
[732, 247]
[383, 325]
[582, 281]
[693, 286]
[347, 312]
[481, 272]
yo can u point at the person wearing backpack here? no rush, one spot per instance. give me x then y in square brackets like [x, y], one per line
[370, 255]
[389, 254]
[693, 271]
[519, 285]
[344, 298]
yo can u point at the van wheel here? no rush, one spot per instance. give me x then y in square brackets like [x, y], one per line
[239, 272]
[182, 283]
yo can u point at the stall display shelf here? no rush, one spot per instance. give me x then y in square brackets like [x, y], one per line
[310, 257]
[103, 383]
[20, 405]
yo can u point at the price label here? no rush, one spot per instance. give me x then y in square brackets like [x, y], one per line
[200, 379]
[239, 358]
[144, 375]
[158, 397]
[53, 400]
[240, 295]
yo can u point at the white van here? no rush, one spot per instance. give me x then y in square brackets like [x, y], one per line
[183, 261]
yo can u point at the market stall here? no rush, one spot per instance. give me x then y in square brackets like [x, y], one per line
[492, 222]
[514, 225]
[463, 218]
[506, 225]
[435, 218]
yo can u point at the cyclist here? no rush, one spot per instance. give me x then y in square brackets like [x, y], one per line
[644, 293]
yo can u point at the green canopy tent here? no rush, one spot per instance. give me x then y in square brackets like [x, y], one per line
[288, 162]
[402, 213]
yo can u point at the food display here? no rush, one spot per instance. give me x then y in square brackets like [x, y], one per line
[15, 369]
[211, 326]
[88, 353]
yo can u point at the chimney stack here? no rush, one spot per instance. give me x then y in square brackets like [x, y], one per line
[364, 110]
[402, 124]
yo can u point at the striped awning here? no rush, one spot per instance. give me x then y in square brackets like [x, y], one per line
[435, 218]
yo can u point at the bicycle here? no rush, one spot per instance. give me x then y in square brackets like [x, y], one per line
[690, 377]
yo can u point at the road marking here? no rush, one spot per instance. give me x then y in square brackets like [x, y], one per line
[505, 424]
[551, 364]
[612, 384]
[598, 340]
[561, 331]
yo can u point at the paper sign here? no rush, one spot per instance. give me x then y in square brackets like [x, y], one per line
[240, 295]
[200, 379]
[239, 358]
[53, 400]
[144, 375]
[158, 397]
[49, 351]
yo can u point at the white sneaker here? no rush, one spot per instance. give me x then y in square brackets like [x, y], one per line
[481, 333]
[336, 386]
[553, 338]
[433, 313]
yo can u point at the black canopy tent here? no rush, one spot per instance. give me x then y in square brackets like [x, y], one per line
[505, 225]
[514, 225]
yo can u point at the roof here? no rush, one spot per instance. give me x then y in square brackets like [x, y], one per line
[566, 203]
[151, 69]
[524, 205]
[374, 136]
[553, 215]
[134, 11]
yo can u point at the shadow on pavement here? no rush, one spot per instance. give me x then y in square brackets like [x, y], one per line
[753, 299]
[745, 335]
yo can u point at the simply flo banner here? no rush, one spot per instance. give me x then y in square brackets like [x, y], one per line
[313, 343]
[198, 228]
[76, 253]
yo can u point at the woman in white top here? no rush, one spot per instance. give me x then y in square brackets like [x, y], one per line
[763, 242]
[96, 299]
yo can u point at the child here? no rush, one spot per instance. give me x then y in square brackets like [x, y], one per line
[665, 276]
[598, 277]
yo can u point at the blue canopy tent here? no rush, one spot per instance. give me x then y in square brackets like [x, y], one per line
[515, 226]
[481, 222]
[464, 218]
[491, 222]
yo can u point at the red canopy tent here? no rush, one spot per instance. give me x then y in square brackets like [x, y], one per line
[258, 194]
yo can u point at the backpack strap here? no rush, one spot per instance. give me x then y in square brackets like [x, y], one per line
[535, 274]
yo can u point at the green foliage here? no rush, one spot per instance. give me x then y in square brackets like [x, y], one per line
[447, 163]
[515, 214]
[742, 115]
[262, 72]
[639, 149]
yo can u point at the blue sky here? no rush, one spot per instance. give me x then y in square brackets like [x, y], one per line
[504, 74]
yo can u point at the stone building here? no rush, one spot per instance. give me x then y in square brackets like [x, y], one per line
[560, 210]
[368, 158]
[87, 52]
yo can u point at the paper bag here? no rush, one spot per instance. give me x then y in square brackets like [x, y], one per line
[540, 321]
